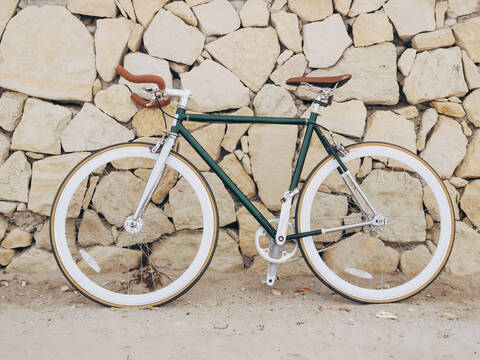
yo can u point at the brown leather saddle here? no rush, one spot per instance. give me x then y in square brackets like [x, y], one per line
[325, 82]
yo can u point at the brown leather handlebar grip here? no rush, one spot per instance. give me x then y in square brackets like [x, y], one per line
[144, 79]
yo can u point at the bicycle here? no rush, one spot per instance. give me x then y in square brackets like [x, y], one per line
[125, 233]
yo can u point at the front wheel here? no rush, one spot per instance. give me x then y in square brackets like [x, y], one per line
[377, 264]
[111, 261]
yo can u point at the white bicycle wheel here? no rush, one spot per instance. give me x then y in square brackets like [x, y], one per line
[377, 264]
[152, 266]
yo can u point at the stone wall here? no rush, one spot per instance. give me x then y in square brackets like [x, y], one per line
[416, 83]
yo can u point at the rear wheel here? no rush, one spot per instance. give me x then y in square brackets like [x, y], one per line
[150, 264]
[384, 263]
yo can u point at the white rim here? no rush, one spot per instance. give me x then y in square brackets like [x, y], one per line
[98, 292]
[413, 285]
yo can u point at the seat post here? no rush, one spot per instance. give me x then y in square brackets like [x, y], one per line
[323, 94]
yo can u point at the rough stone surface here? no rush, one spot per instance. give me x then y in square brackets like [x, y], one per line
[183, 11]
[112, 259]
[311, 10]
[429, 119]
[209, 82]
[17, 239]
[183, 45]
[148, 122]
[255, 13]
[111, 38]
[249, 53]
[226, 206]
[440, 10]
[143, 64]
[15, 177]
[342, 6]
[92, 230]
[325, 41]
[217, 17]
[448, 108]
[392, 128]
[397, 193]
[145, 10]
[47, 175]
[408, 112]
[6, 255]
[406, 60]
[286, 25]
[465, 257]
[458, 8]
[116, 102]
[3, 226]
[100, 8]
[4, 147]
[433, 40]
[247, 226]
[412, 262]
[431, 204]
[168, 180]
[33, 261]
[156, 225]
[293, 67]
[362, 252]
[466, 35]
[7, 208]
[29, 68]
[233, 168]
[272, 177]
[411, 17]
[41, 127]
[374, 71]
[371, 29]
[446, 147]
[235, 131]
[472, 107]
[6, 12]
[210, 137]
[42, 236]
[472, 73]
[364, 6]
[11, 107]
[328, 210]
[274, 100]
[470, 202]
[91, 129]
[284, 56]
[435, 74]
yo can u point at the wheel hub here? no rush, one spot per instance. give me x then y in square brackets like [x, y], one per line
[132, 225]
[379, 222]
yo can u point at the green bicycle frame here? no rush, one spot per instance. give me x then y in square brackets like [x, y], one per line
[178, 128]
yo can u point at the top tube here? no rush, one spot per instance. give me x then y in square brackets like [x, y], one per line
[244, 119]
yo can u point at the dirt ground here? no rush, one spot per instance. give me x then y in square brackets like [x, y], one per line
[235, 317]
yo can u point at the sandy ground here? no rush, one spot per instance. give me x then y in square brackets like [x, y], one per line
[236, 317]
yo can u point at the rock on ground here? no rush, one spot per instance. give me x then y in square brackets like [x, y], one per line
[6, 255]
[209, 82]
[116, 102]
[446, 147]
[272, 177]
[112, 259]
[183, 45]
[15, 178]
[41, 127]
[47, 175]
[325, 41]
[435, 74]
[470, 202]
[411, 17]
[362, 252]
[17, 239]
[33, 261]
[91, 129]
[249, 53]
[29, 68]
[465, 257]
[370, 29]
[412, 262]
[374, 70]
[217, 17]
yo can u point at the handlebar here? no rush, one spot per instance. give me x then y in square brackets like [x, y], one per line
[144, 79]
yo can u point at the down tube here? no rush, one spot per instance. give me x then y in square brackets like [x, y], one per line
[227, 181]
